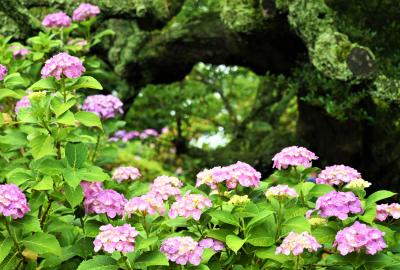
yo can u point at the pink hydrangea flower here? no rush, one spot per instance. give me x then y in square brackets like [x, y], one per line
[126, 173]
[124, 135]
[337, 175]
[296, 243]
[106, 201]
[243, 174]
[22, 103]
[359, 237]
[63, 64]
[182, 250]
[3, 72]
[150, 132]
[13, 201]
[146, 205]
[293, 156]
[281, 191]
[85, 11]
[164, 187]
[119, 238]
[91, 189]
[383, 211]
[212, 243]
[105, 106]
[18, 51]
[338, 204]
[211, 177]
[190, 205]
[56, 20]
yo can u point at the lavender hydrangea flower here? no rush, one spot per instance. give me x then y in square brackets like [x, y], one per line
[211, 177]
[124, 135]
[145, 204]
[91, 189]
[164, 187]
[3, 72]
[22, 103]
[212, 243]
[296, 243]
[63, 64]
[337, 175]
[338, 204]
[190, 205]
[359, 237]
[18, 51]
[13, 201]
[119, 238]
[150, 132]
[182, 250]
[281, 191]
[383, 211]
[104, 201]
[293, 156]
[85, 11]
[126, 173]
[57, 20]
[244, 174]
[105, 106]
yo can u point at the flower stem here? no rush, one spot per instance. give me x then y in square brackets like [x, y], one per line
[63, 89]
[96, 147]
[278, 221]
[127, 262]
[12, 235]
[145, 225]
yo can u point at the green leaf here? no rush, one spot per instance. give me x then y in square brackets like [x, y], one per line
[15, 80]
[45, 184]
[42, 145]
[379, 195]
[93, 173]
[369, 214]
[324, 234]
[5, 247]
[29, 223]
[67, 118]
[83, 247]
[85, 82]
[42, 243]
[99, 263]
[152, 258]
[297, 224]
[234, 242]
[89, 119]
[59, 108]
[143, 243]
[76, 154]
[74, 195]
[269, 253]
[44, 84]
[225, 217]
[219, 234]
[10, 262]
[72, 177]
[207, 254]
[319, 190]
[259, 218]
[4, 93]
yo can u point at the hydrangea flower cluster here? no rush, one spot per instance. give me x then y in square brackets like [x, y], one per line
[150, 132]
[85, 11]
[317, 221]
[338, 204]
[182, 250]
[296, 243]
[19, 51]
[358, 184]
[126, 173]
[13, 201]
[56, 20]
[63, 64]
[119, 238]
[359, 237]
[190, 205]
[102, 201]
[3, 72]
[105, 106]
[211, 177]
[281, 192]
[145, 204]
[125, 136]
[212, 243]
[238, 200]
[22, 103]
[293, 156]
[383, 211]
[165, 186]
[337, 175]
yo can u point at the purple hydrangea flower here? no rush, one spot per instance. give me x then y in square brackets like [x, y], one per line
[145, 204]
[281, 191]
[126, 173]
[182, 250]
[212, 243]
[338, 204]
[56, 20]
[18, 51]
[63, 64]
[13, 201]
[359, 237]
[296, 243]
[3, 72]
[119, 238]
[22, 103]
[150, 132]
[211, 177]
[337, 175]
[164, 187]
[293, 156]
[383, 211]
[243, 174]
[104, 201]
[85, 11]
[105, 106]
[190, 205]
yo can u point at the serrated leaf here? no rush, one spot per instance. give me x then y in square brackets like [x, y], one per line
[42, 145]
[59, 108]
[67, 118]
[85, 82]
[45, 184]
[5, 247]
[225, 217]
[76, 154]
[297, 224]
[234, 242]
[74, 195]
[99, 263]
[44, 84]
[89, 119]
[42, 243]
[5, 92]
[15, 80]
[152, 258]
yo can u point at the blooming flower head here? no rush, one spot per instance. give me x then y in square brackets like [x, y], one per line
[22, 103]
[190, 205]
[126, 173]
[337, 175]
[359, 184]
[13, 201]
[107, 202]
[212, 243]
[181, 250]
[293, 156]
[85, 11]
[383, 211]
[338, 204]
[296, 243]
[18, 51]
[3, 72]
[119, 238]
[150, 132]
[105, 106]
[145, 204]
[238, 200]
[91, 189]
[211, 177]
[165, 186]
[56, 20]
[243, 173]
[281, 191]
[63, 64]
[124, 135]
[359, 237]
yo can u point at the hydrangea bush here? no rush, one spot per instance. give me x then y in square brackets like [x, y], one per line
[63, 206]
